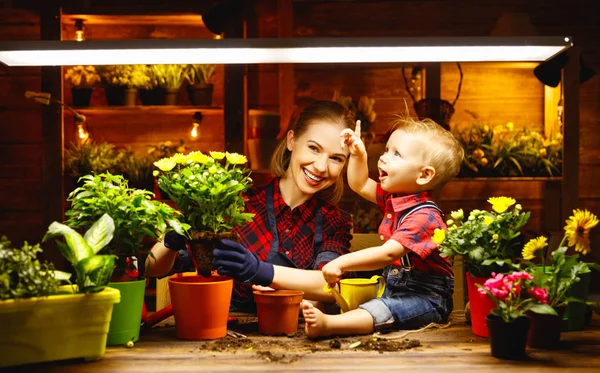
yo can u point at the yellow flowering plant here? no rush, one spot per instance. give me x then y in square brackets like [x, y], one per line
[82, 76]
[207, 189]
[564, 270]
[489, 241]
[507, 151]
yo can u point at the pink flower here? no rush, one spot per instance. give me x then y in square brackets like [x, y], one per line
[540, 294]
[500, 294]
[515, 276]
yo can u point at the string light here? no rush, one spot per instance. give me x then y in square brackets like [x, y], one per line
[195, 132]
[79, 30]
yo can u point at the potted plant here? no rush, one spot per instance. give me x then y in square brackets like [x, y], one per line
[514, 295]
[200, 88]
[505, 151]
[363, 111]
[169, 78]
[139, 221]
[208, 190]
[33, 307]
[489, 242]
[91, 158]
[121, 83]
[82, 80]
[566, 279]
[137, 169]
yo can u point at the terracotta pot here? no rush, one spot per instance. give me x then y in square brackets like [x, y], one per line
[480, 305]
[278, 311]
[508, 339]
[544, 331]
[201, 306]
[202, 245]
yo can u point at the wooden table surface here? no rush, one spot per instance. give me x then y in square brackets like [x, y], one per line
[454, 348]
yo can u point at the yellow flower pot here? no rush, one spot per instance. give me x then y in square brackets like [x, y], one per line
[57, 327]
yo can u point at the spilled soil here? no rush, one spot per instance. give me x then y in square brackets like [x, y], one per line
[287, 349]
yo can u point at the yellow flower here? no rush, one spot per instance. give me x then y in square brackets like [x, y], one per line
[543, 152]
[212, 169]
[235, 158]
[458, 214]
[198, 157]
[501, 204]
[165, 164]
[478, 153]
[510, 126]
[483, 161]
[486, 128]
[495, 237]
[155, 173]
[179, 158]
[217, 155]
[449, 222]
[534, 245]
[439, 235]
[488, 220]
[577, 230]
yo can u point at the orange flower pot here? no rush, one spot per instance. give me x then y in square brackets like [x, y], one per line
[278, 311]
[201, 306]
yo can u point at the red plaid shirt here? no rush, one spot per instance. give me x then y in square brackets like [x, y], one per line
[415, 232]
[296, 230]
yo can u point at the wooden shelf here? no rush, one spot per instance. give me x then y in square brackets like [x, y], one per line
[187, 19]
[149, 109]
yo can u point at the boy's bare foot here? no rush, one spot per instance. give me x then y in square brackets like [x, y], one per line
[315, 321]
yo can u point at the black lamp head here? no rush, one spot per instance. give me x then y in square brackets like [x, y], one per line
[218, 18]
[550, 72]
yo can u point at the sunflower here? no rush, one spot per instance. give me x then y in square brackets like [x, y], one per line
[533, 246]
[577, 230]
[501, 204]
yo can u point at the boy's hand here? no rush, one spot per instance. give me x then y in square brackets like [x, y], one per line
[332, 272]
[352, 140]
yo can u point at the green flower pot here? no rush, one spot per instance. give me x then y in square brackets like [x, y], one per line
[127, 315]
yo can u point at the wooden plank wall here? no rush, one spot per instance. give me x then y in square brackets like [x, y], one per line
[496, 94]
[20, 138]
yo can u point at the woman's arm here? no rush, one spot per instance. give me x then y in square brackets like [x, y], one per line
[163, 261]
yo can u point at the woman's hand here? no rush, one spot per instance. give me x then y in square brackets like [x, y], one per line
[351, 139]
[234, 260]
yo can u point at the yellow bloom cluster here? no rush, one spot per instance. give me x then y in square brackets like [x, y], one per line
[82, 76]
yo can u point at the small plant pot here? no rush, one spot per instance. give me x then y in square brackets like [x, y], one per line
[508, 340]
[81, 96]
[170, 96]
[127, 314]
[544, 331]
[130, 97]
[200, 94]
[202, 245]
[201, 306]
[480, 306]
[115, 95]
[151, 96]
[278, 311]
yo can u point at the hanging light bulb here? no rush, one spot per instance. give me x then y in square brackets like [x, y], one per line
[195, 132]
[218, 36]
[79, 32]
[82, 134]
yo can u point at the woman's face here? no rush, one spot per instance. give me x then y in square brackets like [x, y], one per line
[317, 157]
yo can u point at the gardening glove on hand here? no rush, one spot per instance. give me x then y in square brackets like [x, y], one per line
[184, 262]
[234, 260]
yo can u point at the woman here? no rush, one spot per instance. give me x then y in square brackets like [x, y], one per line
[297, 228]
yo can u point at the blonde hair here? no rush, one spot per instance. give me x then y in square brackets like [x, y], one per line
[329, 112]
[443, 152]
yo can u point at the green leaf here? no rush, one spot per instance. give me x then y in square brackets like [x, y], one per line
[93, 273]
[100, 233]
[542, 309]
[62, 276]
[79, 249]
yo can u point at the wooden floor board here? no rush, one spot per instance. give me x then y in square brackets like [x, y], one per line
[453, 349]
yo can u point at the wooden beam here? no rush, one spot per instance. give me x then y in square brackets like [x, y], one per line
[235, 100]
[570, 169]
[285, 27]
[52, 130]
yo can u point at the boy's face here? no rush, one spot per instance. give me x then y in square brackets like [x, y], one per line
[402, 164]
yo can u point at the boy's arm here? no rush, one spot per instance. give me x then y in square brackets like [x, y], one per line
[358, 166]
[364, 260]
